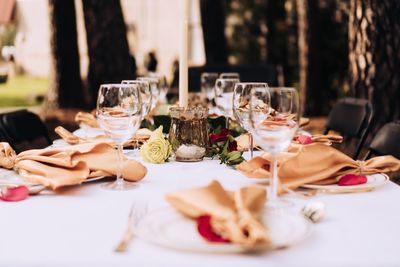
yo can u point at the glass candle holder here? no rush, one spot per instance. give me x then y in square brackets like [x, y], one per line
[188, 133]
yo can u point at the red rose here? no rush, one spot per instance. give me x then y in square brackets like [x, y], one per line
[205, 230]
[221, 136]
[233, 146]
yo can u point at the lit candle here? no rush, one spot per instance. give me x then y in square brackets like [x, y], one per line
[183, 57]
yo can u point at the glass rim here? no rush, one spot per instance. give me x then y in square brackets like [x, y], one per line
[252, 83]
[188, 108]
[115, 85]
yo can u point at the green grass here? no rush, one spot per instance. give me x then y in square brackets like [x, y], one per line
[22, 91]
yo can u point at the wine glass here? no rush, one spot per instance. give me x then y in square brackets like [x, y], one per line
[154, 87]
[241, 106]
[119, 114]
[274, 117]
[207, 82]
[229, 75]
[145, 95]
[163, 86]
[224, 95]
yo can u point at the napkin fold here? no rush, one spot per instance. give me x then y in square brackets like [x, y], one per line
[316, 163]
[234, 215]
[243, 141]
[71, 165]
[72, 139]
[87, 119]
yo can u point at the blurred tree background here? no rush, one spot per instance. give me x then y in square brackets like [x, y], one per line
[327, 49]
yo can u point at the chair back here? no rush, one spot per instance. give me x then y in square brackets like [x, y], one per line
[22, 128]
[351, 117]
[386, 141]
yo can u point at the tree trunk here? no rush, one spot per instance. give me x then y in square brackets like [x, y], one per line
[213, 23]
[110, 60]
[309, 56]
[374, 55]
[277, 40]
[66, 87]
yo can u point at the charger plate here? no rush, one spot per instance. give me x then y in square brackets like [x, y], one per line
[373, 181]
[168, 228]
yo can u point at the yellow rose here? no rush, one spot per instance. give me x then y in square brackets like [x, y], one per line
[156, 149]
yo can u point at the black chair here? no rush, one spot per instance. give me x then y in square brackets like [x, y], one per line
[351, 117]
[24, 130]
[386, 141]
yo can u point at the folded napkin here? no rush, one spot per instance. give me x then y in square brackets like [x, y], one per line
[316, 163]
[56, 167]
[243, 140]
[303, 121]
[86, 118]
[72, 139]
[234, 215]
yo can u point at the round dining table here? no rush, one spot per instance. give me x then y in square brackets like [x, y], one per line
[81, 225]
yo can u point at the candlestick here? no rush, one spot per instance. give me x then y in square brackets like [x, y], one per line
[183, 57]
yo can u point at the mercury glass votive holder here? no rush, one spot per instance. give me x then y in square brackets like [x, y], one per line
[188, 134]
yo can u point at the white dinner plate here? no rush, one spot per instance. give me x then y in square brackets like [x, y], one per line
[168, 228]
[373, 181]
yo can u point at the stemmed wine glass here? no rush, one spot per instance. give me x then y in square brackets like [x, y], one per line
[163, 86]
[207, 82]
[224, 95]
[274, 117]
[154, 87]
[118, 111]
[241, 106]
[146, 98]
[229, 75]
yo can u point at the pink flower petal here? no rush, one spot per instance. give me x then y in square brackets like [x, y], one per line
[304, 139]
[204, 228]
[352, 179]
[14, 193]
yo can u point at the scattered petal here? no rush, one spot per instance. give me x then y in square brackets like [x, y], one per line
[205, 230]
[14, 193]
[304, 139]
[352, 179]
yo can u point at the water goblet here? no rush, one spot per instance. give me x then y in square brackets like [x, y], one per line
[274, 116]
[118, 111]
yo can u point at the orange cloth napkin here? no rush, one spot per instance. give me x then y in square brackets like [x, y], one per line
[315, 163]
[71, 165]
[72, 139]
[86, 119]
[234, 215]
[243, 141]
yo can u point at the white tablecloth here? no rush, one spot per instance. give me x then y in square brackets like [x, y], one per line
[80, 226]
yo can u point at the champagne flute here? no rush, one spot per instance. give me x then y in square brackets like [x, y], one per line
[118, 110]
[224, 95]
[241, 106]
[274, 116]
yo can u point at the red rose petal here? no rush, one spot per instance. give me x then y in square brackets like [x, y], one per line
[304, 139]
[352, 179]
[233, 146]
[205, 230]
[14, 193]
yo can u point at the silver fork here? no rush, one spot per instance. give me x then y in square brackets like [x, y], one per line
[134, 214]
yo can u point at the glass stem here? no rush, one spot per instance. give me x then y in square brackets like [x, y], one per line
[119, 180]
[251, 142]
[227, 123]
[274, 182]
